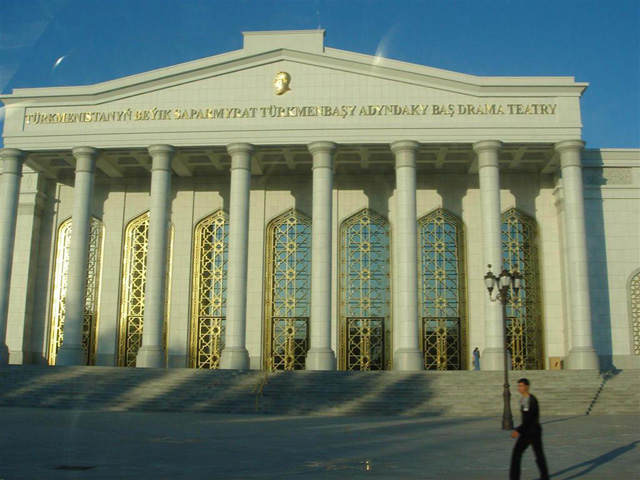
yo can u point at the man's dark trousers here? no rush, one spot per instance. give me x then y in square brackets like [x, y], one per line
[535, 440]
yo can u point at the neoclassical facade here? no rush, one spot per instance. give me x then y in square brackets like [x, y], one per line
[290, 206]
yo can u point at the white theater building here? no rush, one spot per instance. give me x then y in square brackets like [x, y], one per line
[290, 206]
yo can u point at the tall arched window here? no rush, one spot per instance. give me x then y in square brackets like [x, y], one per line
[634, 312]
[365, 292]
[134, 279]
[209, 290]
[92, 291]
[288, 290]
[442, 291]
[524, 313]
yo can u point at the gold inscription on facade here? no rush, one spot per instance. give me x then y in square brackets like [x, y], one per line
[276, 111]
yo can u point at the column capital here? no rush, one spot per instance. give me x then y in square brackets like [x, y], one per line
[321, 146]
[12, 153]
[161, 157]
[161, 149]
[483, 145]
[18, 157]
[569, 151]
[234, 148]
[85, 158]
[576, 145]
[85, 152]
[404, 145]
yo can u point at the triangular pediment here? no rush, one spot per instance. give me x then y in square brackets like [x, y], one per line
[329, 90]
[288, 49]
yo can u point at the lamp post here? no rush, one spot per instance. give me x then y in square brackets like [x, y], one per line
[505, 282]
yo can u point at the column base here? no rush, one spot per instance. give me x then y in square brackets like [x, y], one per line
[4, 354]
[151, 357]
[70, 355]
[408, 360]
[492, 359]
[582, 359]
[234, 358]
[321, 359]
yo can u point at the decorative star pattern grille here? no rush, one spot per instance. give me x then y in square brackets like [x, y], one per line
[524, 313]
[635, 311]
[365, 340]
[441, 343]
[211, 242]
[290, 343]
[442, 292]
[210, 338]
[92, 290]
[134, 279]
[288, 291]
[365, 293]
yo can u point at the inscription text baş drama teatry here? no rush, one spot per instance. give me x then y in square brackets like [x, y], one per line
[275, 111]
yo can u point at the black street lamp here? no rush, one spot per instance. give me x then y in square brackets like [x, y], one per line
[505, 282]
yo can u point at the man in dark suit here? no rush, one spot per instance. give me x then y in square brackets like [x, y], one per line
[528, 433]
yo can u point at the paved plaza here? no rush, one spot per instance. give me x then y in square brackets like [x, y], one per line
[62, 444]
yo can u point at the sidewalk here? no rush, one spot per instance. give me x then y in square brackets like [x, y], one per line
[65, 444]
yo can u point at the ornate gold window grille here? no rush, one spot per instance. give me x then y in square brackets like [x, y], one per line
[442, 291]
[365, 292]
[92, 290]
[634, 294]
[524, 313]
[288, 290]
[209, 290]
[134, 277]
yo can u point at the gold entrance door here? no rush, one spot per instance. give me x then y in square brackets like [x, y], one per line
[209, 342]
[365, 293]
[442, 291]
[209, 291]
[524, 313]
[92, 291]
[365, 344]
[134, 278]
[521, 341]
[290, 342]
[442, 343]
[287, 292]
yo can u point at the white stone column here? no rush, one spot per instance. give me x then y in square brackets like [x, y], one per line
[582, 355]
[320, 355]
[71, 351]
[408, 355]
[151, 353]
[487, 152]
[22, 332]
[235, 354]
[12, 160]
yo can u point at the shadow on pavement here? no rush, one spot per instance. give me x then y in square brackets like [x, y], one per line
[562, 419]
[594, 463]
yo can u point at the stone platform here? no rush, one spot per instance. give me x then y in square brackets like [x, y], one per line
[86, 444]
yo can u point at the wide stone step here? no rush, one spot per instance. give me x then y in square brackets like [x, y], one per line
[314, 393]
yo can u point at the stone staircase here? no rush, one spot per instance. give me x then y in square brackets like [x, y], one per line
[619, 393]
[465, 393]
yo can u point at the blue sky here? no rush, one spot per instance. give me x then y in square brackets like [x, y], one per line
[79, 42]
